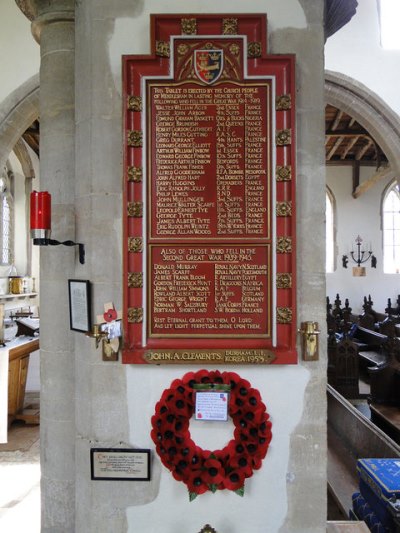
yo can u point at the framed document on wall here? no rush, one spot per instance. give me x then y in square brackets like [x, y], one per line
[79, 305]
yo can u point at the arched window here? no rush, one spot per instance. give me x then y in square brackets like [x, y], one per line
[391, 229]
[330, 232]
[6, 222]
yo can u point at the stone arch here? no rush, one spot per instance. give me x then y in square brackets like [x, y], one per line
[17, 112]
[22, 153]
[369, 110]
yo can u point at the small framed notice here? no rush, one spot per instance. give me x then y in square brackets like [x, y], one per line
[212, 405]
[122, 464]
[79, 305]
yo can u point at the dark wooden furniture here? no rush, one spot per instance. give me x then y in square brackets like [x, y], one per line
[351, 436]
[387, 417]
[343, 367]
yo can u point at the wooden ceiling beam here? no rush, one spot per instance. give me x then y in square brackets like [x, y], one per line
[356, 175]
[349, 147]
[334, 148]
[350, 162]
[372, 181]
[363, 150]
[337, 120]
[348, 133]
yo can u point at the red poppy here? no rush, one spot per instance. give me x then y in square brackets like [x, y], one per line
[213, 473]
[195, 482]
[243, 463]
[110, 315]
[235, 479]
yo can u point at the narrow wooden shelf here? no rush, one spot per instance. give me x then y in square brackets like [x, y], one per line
[18, 296]
[346, 527]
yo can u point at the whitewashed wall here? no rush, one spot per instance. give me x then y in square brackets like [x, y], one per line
[19, 53]
[362, 217]
[355, 51]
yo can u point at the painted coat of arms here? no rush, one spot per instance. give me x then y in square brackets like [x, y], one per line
[208, 65]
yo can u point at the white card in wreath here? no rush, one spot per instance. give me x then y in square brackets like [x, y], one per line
[211, 405]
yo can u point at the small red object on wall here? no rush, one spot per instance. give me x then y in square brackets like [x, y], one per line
[40, 212]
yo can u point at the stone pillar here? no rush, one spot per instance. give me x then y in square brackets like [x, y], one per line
[53, 28]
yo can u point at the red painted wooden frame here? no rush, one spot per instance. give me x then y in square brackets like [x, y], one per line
[143, 242]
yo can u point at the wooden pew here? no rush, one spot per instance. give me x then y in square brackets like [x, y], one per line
[351, 436]
[358, 349]
[387, 417]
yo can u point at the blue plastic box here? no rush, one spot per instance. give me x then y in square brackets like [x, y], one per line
[380, 486]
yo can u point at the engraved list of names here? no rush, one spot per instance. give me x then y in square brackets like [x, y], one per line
[209, 162]
[209, 186]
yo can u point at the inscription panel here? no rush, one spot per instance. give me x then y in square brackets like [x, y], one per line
[210, 291]
[203, 199]
[209, 158]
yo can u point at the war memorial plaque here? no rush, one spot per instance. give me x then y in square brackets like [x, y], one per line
[209, 270]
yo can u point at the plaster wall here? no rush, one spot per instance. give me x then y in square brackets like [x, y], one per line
[355, 51]
[19, 53]
[288, 493]
[362, 217]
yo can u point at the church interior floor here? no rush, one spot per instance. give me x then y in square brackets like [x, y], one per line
[20, 479]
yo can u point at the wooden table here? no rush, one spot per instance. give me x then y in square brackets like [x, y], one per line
[19, 350]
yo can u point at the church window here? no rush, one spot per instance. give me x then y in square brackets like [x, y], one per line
[389, 13]
[391, 229]
[330, 232]
[6, 222]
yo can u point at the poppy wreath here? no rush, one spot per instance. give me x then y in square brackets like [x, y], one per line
[205, 470]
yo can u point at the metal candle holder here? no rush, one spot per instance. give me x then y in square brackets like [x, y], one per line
[359, 257]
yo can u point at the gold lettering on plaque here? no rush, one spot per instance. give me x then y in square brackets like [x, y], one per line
[135, 209]
[234, 356]
[284, 245]
[283, 137]
[240, 162]
[284, 281]
[135, 244]
[134, 103]
[135, 280]
[283, 315]
[135, 138]
[283, 209]
[253, 50]
[135, 174]
[135, 315]
[283, 173]
[229, 26]
[189, 26]
[162, 49]
[283, 102]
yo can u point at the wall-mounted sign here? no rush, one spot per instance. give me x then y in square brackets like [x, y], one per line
[209, 195]
[79, 293]
[120, 464]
